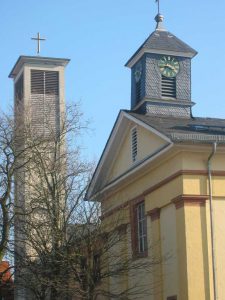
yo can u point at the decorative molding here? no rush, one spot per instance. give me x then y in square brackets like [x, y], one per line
[164, 182]
[154, 214]
[192, 200]
[115, 209]
[161, 183]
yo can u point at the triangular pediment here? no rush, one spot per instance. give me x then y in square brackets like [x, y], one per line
[117, 161]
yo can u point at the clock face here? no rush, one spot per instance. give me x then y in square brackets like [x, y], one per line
[169, 66]
[138, 72]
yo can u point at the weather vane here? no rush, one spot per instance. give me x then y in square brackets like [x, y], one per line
[38, 39]
[158, 2]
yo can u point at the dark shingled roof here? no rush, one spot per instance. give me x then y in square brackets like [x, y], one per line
[164, 40]
[190, 129]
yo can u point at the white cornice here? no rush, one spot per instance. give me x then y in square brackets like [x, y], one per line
[36, 60]
[148, 127]
[132, 171]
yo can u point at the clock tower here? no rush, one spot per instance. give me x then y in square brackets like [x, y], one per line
[161, 75]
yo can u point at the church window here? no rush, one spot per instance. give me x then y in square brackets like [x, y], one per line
[168, 87]
[44, 82]
[134, 145]
[141, 228]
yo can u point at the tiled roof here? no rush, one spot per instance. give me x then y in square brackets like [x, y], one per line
[186, 129]
[164, 40]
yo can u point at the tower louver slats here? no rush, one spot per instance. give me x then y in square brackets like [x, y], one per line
[168, 87]
[134, 144]
[52, 83]
[44, 82]
[45, 101]
[37, 82]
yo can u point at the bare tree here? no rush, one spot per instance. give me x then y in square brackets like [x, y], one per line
[10, 163]
[66, 251]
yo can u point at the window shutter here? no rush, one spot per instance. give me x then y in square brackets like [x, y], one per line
[134, 145]
[168, 87]
[44, 82]
[52, 83]
[37, 82]
[138, 90]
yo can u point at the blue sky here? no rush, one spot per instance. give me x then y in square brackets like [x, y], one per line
[99, 37]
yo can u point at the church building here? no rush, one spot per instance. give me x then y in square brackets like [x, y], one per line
[164, 170]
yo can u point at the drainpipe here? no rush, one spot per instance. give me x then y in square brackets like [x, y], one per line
[212, 220]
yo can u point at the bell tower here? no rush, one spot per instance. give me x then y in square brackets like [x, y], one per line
[161, 74]
[39, 91]
[39, 98]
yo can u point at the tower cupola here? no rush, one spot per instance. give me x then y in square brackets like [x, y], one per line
[161, 74]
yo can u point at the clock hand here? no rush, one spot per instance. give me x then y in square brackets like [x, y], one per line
[171, 67]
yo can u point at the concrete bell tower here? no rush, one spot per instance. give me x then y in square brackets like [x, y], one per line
[39, 94]
[39, 90]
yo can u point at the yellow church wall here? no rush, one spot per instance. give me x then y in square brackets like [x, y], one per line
[219, 221]
[218, 185]
[195, 184]
[147, 144]
[198, 185]
[163, 196]
[196, 158]
[185, 229]
[148, 179]
[181, 254]
[169, 250]
[122, 159]
[196, 253]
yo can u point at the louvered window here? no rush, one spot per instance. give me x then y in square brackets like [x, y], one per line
[44, 82]
[134, 149]
[138, 90]
[19, 89]
[168, 87]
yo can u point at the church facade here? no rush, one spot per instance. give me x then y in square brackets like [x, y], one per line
[163, 169]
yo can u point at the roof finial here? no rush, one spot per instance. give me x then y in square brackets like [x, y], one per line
[159, 18]
[158, 1]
